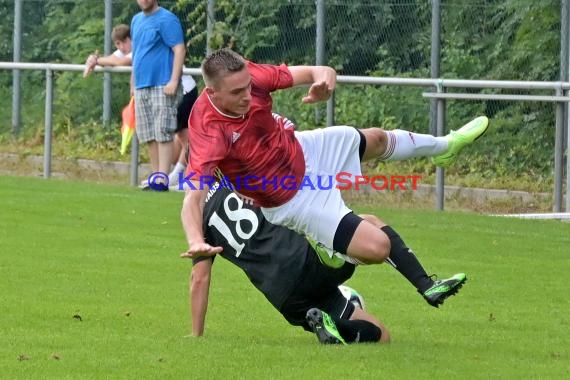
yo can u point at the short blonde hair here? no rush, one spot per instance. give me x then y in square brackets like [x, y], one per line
[220, 63]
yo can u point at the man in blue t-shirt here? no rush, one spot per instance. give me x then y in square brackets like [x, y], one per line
[158, 58]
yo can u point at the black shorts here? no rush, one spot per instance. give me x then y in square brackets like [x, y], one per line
[184, 109]
[318, 287]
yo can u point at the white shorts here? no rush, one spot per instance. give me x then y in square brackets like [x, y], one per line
[317, 213]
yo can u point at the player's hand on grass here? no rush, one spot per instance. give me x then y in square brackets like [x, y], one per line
[200, 249]
[319, 91]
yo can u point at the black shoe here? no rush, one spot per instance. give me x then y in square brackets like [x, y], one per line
[155, 187]
[324, 327]
[441, 289]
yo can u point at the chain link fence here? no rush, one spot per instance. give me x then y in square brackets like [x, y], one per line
[480, 39]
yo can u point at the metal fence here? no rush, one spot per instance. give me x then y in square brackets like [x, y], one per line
[369, 42]
[440, 95]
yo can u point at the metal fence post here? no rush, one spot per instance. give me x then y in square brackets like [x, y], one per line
[16, 79]
[320, 44]
[134, 161]
[567, 164]
[210, 21]
[565, 122]
[561, 109]
[435, 58]
[330, 111]
[558, 154]
[48, 123]
[107, 81]
[440, 172]
[437, 106]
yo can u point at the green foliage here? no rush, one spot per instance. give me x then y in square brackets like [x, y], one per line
[6, 28]
[508, 152]
[70, 140]
[502, 40]
[192, 14]
[494, 39]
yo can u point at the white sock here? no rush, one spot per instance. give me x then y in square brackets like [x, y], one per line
[174, 174]
[405, 144]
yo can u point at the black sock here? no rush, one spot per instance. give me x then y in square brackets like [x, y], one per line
[357, 330]
[403, 259]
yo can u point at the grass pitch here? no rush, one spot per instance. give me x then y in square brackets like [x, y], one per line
[91, 287]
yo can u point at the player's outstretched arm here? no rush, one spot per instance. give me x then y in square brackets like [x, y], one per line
[191, 216]
[199, 290]
[322, 80]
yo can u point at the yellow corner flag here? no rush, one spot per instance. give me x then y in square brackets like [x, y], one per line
[128, 127]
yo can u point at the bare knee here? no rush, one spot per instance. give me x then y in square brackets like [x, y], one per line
[377, 249]
[369, 244]
[376, 142]
[373, 219]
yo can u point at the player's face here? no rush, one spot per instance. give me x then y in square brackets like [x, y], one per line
[232, 93]
[124, 46]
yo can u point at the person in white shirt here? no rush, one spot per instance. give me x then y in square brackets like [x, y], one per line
[121, 36]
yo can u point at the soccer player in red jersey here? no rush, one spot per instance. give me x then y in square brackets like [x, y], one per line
[232, 128]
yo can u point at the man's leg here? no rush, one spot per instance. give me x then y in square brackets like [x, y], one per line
[398, 144]
[367, 244]
[400, 256]
[146, 133]
[176, 149]
[361, 327]
[153, 155]
[164, 156]
[371, 241]
[362, 315]
[179, 157]
[157, 152]
[404, 261]
[373, 244]
[165, 123]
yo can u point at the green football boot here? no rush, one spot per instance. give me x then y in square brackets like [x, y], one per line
[441, 289]
[457, 140]
[324, 327]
